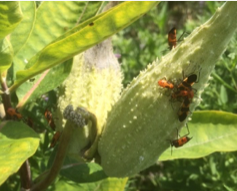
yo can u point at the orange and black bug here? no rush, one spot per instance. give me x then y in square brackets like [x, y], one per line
[179, 142]
[172, 38]
[187, 83]
[14, 113]
[49, 117]
[184, 110]
[165, 84]
[184, 89]
[55, 139]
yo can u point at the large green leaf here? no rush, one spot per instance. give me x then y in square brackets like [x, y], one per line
[10, 17]
[6, 55]
[17, 143]
[22, 32]
[109, 184]
[212, 131]
[83, 37]
[45, 26]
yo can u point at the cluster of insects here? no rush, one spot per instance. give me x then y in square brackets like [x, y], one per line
[184, 93]
[181, 91]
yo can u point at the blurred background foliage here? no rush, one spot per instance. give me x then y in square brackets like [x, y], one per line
[144, 41]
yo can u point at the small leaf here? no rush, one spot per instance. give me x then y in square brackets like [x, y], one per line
[82, 172]
[6, 55]
[10, 17]
[212, 131]
[17, 143]
[223, 95]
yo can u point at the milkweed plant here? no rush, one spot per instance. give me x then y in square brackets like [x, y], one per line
[107, 133]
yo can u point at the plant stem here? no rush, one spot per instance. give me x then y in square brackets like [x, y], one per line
[25, 175]
[58, 161]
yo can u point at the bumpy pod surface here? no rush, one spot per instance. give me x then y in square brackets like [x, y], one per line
[142, 123]
[94, 83]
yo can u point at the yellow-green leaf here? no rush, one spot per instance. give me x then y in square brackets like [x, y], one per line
[83, 37]
[10, 17]
[6, 55]
[17, 143]
[212, 131]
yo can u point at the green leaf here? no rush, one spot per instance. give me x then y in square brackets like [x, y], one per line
[10, 17]
[47, 26]
[42, 26]
[23, 31]
[49, 80]
[212, 131]
[17, 143]
[82, 172]
[6, 55]
[223, 95]
[83, 37]
[109, 184]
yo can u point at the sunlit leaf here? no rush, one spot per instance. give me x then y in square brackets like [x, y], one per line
[212, 131]
[10, 17]
[83, 37]
[17, 143]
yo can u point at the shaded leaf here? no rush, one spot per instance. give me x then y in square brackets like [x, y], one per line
[17, 143]
[47, 81]
[109, 184]
[6, 55]
[10, 17]
[212, 131]
[82, 172]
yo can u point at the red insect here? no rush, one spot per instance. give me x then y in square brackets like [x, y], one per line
[179, 142]
[172, 38]
[55, 139]
[49, 117]
[165, 84]
[14, 113]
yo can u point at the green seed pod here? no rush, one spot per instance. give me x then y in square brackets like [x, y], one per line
[94, 83]
[143, 122]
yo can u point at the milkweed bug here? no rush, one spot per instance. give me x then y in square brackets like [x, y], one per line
[188, 82]
[184, 89]
[14, 113]
[172, 41]
[172, 38]
[179, 142]
[165, 84]
[49, 117]
[55, 139]
[183, 111]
